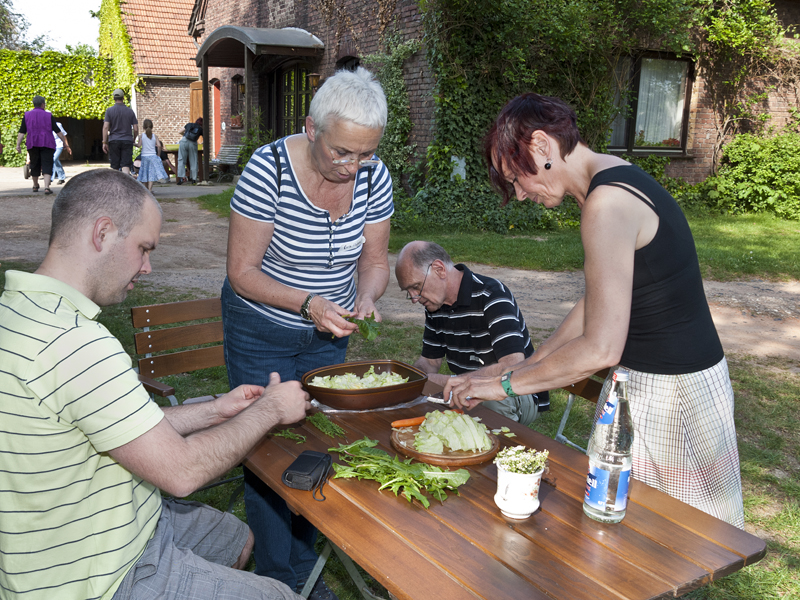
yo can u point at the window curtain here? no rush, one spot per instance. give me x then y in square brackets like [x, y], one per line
[662, 93]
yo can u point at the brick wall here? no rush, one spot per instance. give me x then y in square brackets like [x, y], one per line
[702, 131]
[356, 35]
[166, 102]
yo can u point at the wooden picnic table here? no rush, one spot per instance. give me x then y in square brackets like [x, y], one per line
[465, 548]
[172, 149]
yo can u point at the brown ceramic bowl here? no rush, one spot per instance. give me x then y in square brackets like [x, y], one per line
[372, 397]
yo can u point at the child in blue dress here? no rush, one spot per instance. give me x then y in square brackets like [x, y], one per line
[151, 169]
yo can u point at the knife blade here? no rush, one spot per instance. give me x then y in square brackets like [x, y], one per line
[438, 398]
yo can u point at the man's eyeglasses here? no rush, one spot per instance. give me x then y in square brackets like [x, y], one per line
[422, 287]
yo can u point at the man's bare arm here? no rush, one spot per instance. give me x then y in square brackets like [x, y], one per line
[180, 464]
[431, 366]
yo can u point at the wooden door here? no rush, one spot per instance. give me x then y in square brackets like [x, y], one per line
[195, 100]
[216, 118]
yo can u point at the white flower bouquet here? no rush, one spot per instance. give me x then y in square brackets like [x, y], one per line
[521, 460]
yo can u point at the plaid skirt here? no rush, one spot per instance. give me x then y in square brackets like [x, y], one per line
[685, 439]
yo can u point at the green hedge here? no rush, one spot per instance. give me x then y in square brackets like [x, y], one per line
[760, 174]
[76, 86]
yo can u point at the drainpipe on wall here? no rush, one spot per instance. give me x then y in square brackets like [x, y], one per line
[133, 99]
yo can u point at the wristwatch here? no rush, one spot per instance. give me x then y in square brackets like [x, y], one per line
[505, 381]
[304, 308]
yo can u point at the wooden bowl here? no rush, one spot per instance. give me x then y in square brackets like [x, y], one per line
[371, 397]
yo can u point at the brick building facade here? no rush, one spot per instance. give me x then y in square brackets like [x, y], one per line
[163, 57]
[346, 37]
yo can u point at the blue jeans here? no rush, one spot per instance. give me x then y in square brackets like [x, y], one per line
[58, 170]
[254, 348]
[187, 152]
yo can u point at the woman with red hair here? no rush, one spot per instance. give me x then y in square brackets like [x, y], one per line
[644, 307]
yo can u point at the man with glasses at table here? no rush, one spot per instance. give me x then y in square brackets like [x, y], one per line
[470, 319]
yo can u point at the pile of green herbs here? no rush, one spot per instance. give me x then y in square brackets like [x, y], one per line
[365, 461]
[321, 421]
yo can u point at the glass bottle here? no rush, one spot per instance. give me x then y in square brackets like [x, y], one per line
[609, 453]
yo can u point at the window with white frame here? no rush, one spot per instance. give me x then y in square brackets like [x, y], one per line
[655, 114]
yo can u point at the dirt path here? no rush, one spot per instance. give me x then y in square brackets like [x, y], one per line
[753, 317]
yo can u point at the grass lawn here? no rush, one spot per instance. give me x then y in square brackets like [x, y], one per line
[767, 391]
[728, 247]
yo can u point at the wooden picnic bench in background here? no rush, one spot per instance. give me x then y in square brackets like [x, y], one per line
[226, 162]
[172, 150]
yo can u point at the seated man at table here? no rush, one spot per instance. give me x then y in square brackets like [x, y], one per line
[85, 450]
[470, 319]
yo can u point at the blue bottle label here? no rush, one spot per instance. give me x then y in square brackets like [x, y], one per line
[597, 488]
[622, 490]
[609, 408]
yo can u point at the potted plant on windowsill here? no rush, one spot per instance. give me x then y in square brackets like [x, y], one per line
[236, 121]
[519, 474]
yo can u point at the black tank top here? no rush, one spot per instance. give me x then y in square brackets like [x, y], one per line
[671, 331]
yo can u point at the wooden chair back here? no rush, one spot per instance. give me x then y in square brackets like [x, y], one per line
[177, 343]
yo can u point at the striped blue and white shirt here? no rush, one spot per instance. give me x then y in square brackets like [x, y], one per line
[308, 251]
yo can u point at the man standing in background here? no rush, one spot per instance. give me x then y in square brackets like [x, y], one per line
[120, 128]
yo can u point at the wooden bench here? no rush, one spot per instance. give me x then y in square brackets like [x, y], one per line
[179, 352]
[227, 158]
[588, 389]
[169, 351]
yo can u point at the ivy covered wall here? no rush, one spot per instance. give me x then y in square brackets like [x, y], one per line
[75, 86]
[115, 44]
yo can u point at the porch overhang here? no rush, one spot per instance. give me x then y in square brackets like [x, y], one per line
[237, 48]
[223, 48]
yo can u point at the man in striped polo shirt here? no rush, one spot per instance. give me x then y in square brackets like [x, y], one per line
[84, 451]
[471, 320]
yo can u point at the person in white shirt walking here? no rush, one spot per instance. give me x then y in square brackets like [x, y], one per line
[58, 170]
[151, 169]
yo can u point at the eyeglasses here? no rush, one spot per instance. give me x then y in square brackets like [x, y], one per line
[422, 287]
[350, 161]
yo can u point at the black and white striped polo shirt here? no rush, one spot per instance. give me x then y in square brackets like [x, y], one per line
[484, 325]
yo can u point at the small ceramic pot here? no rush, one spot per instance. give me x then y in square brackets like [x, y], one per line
[517, 494]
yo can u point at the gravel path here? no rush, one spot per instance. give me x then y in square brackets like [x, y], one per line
[756, 317]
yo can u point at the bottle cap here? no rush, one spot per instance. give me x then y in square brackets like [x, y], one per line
[620, 375]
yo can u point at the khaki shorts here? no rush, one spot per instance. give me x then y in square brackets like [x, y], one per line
[189, 558]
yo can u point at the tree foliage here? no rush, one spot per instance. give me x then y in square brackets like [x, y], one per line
[14, 29]
[760, 174]
[483, 53]
[394, 149]
[744, 56]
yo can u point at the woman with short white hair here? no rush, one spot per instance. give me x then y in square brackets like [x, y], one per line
[309, 212]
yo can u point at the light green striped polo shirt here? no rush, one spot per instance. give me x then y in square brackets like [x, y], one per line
[72, 520]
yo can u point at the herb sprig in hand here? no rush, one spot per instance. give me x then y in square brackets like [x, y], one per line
[367, 327]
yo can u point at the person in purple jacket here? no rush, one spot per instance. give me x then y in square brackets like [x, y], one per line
[39, 126]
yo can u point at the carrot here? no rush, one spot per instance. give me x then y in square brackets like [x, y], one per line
[408, 422]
